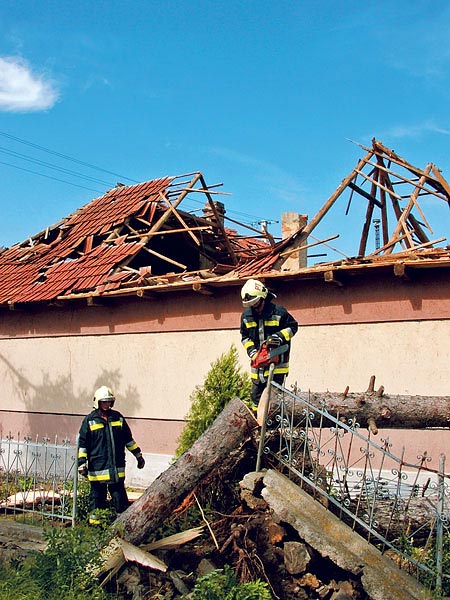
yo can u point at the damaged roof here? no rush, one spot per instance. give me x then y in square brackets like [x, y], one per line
[137, 238]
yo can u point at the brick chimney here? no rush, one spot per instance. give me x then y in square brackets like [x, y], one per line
[290, 223]
[208, 212]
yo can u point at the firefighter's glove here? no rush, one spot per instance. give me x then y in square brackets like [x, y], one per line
[83, 470]
[274, 340]
[140, 461]
[252, 354]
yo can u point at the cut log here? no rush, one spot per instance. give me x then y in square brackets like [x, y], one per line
[375, 409]
[232, 428]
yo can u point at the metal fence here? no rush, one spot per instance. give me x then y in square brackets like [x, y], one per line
[401, 507]
[38, 478]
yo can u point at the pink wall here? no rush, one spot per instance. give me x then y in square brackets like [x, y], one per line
[380, 298]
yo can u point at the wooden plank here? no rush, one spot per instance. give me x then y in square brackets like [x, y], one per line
[169, 231]
[442, 181]
[370, 197]
[384, 213]
[180, 218]
[160, 222]
[378, 184]
[410, 181]
[406, 211]
[368, 221]
[166, 258]
[289, 252]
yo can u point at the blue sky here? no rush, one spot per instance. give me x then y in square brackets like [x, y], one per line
[261, 96]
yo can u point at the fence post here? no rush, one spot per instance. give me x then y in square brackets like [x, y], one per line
[75, 483]
[439, 526]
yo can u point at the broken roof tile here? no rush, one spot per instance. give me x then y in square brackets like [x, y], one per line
[137, 236]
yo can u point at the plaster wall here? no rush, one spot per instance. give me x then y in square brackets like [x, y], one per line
[153, 353]
[153, 375]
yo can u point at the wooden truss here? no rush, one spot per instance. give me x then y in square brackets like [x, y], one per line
[391, 186]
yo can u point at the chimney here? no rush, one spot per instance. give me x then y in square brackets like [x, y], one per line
[292, 222]
[209, 214]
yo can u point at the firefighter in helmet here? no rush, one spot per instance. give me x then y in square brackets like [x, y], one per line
[104, 435]
[264, 321]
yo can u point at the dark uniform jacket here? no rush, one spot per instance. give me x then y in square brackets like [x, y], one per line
[256, 328]
[102, 445]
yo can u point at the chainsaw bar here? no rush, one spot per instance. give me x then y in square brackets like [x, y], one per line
[277, 351]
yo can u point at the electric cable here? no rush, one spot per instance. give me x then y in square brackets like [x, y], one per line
[43, 163]
[50, 177]
[75, 160]
[249, 218]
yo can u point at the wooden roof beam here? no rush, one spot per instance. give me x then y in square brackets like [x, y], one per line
[402, 222]
[401, 271]
[370, 197]
[180, 219]
[332, 199]
[165, 258]
[145, 294]
[331, 277]
[94, 301]
[169, 231]
[160, 222]
[201, 288]
[368, 220]
[442, 181]
[413, 182]
[378, 184]
[219, 223]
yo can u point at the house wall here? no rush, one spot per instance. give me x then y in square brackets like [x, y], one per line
[154, 352]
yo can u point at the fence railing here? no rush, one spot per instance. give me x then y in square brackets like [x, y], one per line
[38, 478]
[401, 507]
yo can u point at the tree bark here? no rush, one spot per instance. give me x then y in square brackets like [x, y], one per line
[375, 409]
[229, 431]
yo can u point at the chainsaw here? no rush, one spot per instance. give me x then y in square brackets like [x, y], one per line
[267, 355]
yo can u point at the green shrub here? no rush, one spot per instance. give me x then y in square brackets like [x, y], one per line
[17, 583]
[60, 571]
[222, 585]
[223, 382]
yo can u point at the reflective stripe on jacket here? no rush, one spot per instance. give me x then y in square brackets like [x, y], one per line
[102, 445]
[256, 328]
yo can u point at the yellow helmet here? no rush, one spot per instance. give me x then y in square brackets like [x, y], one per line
[252, 292]
[104, 393]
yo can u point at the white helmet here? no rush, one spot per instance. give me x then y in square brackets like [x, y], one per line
[252, 292]
[104, 393]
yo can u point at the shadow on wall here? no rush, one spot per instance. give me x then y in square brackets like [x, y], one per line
[57, 396]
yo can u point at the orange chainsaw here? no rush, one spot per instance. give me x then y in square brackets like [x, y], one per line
[267, 354]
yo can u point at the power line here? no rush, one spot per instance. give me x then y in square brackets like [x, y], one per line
[75, 160]
[43, 163]
[50, 177]
[249, 218]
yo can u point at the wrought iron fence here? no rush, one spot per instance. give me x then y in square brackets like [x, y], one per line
[401, 507]
[38, 478]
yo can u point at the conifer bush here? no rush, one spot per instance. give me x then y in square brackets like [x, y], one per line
[224, 381]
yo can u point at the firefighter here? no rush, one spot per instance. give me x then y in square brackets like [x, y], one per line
[264, 321]
[104, 435]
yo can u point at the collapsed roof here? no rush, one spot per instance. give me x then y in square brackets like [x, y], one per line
[136, 238]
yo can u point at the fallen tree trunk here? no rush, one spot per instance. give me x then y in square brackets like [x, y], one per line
[375, 409]
[229, 431]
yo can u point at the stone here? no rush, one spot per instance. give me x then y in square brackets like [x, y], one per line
[296, 557]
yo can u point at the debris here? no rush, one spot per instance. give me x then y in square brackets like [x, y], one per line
[223, 438]
[31, 498]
